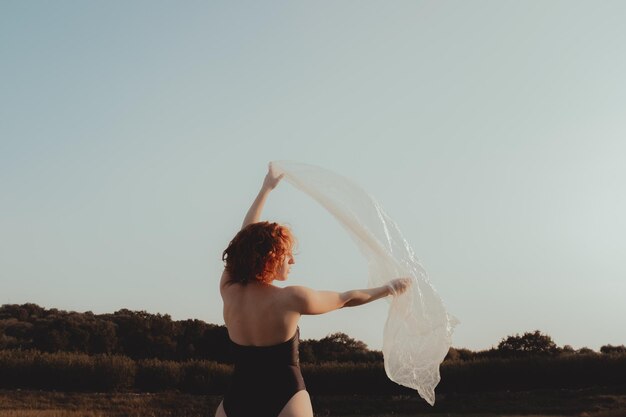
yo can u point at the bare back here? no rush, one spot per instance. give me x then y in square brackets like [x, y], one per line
[257, 314]
[262, 315]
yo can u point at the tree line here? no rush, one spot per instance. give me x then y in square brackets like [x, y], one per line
[140, 335]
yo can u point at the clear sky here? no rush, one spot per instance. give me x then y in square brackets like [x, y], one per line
[135, 135]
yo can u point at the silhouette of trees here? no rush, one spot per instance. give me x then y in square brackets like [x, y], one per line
[528, 343]
[142, 336]
[337, 347]
[612, 350]
[459, 354]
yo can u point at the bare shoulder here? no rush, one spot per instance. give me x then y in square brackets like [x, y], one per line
[299, 294]
[295, 296]
[297, 291]
[306, 300]
[225, 283]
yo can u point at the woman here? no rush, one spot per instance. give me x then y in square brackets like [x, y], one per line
[262, 319]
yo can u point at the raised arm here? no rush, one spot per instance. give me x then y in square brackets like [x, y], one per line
[308, 301]
[270, 182]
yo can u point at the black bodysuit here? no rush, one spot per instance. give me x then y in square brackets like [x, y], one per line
[264, 379]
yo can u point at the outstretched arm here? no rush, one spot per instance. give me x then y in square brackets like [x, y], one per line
[270, 182]
[308, 301]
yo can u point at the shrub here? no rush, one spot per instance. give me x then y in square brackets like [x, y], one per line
[155, 375]
[204, 377]
[32, 369]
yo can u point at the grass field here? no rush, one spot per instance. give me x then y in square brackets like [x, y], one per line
[596, 402]
[64, 413]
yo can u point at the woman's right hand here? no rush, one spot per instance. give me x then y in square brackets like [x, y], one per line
[272, 179]
[399, 285]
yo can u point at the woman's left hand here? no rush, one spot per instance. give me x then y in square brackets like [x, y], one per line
[271, 179]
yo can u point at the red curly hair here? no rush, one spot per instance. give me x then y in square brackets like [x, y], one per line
[257, 252]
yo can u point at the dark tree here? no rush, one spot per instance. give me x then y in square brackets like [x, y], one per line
[528, 343]
[103, 337]
[215, 344]
[189, 334]
[459, 354]
[339, 347]
[613, 350]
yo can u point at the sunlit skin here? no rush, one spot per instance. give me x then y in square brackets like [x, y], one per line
[260, 314]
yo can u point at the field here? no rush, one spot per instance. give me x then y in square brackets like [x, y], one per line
[596, 402]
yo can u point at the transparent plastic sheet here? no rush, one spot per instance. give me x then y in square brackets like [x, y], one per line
[418, 331]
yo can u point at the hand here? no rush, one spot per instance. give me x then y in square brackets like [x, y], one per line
[399, 285]
[272, 179]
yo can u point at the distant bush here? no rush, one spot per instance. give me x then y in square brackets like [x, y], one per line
[534, 343]
[459, 354]
[534, 372]
[204, 377]
[155, 375]
[65, 371]
[613, 350]
[107, 373]
[104, 373]
[348, 378]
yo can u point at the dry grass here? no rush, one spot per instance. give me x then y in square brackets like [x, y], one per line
[50, 413]
[61, 404]
[85, 413]
[578, 403]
